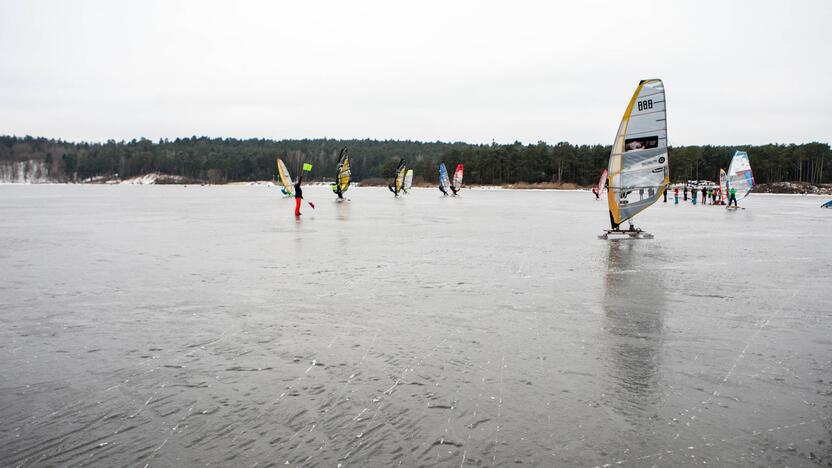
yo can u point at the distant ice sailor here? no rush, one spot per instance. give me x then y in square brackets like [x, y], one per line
[456, 185]
[342, 175]
[442, 188]
[595, 192]
[398, 180]
[298, 195]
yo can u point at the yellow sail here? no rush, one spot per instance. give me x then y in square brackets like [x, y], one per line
[284, 176]
[343, 175]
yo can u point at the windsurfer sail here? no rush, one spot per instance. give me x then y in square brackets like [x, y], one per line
[285, 178]
[342, 175]
[602, 182]
[397, 183]
[740, 176]
[723, 186]
[457, 185]
[408, 181]
[444, 183]
[638, 161]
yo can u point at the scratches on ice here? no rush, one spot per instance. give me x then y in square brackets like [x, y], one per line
[499, 411]
[741, 354]
[379, 398]
[706, 445]
[716, 393]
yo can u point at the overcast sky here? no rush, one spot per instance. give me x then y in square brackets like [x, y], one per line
[735, 72]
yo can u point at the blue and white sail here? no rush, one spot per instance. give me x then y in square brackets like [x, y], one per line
[740, 176]
[444, 181]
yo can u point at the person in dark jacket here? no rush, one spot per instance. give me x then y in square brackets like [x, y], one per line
[298, 195]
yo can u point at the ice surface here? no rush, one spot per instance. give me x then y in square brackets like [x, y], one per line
[176, 326]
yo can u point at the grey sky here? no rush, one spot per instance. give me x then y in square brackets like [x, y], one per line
[735, 72]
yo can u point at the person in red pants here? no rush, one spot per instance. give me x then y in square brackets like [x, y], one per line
[298, 195]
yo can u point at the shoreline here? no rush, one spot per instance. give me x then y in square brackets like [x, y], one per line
[822, 192]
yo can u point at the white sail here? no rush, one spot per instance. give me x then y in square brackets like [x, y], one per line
[723, 185]
[638, 169]
[602, 181]
[740, 176]
[408, 180]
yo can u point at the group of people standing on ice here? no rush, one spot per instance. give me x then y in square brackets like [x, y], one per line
[714, 194]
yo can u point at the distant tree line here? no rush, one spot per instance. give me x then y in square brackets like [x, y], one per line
[220, 160]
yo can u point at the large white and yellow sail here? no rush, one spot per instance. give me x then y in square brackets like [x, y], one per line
[638, 169]
[285, 178]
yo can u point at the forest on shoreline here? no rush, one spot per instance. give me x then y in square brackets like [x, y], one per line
[223, 160]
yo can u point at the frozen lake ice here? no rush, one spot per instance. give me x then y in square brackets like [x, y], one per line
[173, 326]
